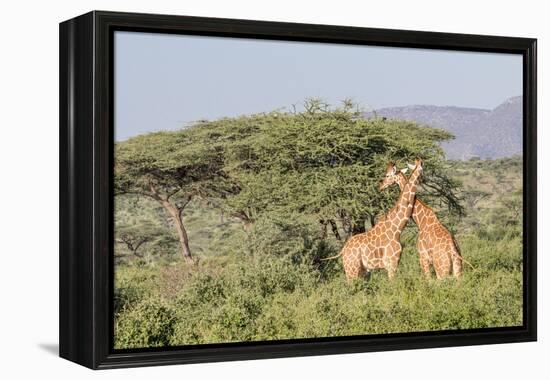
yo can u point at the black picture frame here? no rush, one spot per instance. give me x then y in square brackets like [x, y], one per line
[86, 191]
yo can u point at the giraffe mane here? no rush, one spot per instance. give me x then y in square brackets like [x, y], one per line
[424, 204]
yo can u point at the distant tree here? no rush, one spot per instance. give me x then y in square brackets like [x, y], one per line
[137, 225]
[474, 196]
[133, 238]
[513, 204]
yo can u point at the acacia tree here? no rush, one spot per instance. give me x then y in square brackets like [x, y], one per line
[138, 226]
[133, 239]
[171, 168]
[328, 163]
[324, 163]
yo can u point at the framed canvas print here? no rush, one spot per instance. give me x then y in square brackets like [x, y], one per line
[237, 189]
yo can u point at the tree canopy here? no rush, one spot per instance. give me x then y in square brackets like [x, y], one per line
[324, 162]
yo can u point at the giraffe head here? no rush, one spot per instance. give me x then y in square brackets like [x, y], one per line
[392, 176]
[417, 168]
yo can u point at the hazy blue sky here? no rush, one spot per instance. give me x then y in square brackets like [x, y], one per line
[164, 81]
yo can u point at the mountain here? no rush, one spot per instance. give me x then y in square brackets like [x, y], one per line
[478, 132]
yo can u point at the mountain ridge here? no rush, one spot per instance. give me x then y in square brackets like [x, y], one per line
[484, 133]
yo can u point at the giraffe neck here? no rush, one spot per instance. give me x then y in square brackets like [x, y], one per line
[401, 181]
[404, 207]
[421, 213]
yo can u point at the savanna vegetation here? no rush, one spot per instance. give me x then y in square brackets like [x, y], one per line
[221, 229]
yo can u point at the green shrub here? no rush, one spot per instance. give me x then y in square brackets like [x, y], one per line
[133, 284]
[277, 290]
[274, 299]
[150, 323]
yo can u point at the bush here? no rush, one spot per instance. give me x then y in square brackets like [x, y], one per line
[269, 282]
[150, 323]
[271, 297]
[296, 240]
[132, 284]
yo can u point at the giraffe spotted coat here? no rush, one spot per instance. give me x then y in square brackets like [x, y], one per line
[380, 246]
[436, 245]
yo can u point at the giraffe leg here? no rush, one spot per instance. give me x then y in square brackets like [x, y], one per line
[367, 274]
[442, 262]
[365, 264]
[392, 255]
[457, 260]
[352, 264]
[424, 256]
[438, 265]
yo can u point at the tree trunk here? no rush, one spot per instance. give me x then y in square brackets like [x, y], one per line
[136, 254]
[184, 240]
[175, 214]
[334, 228]
[372, 220]
[346, 224]
[248, 223]
[323, 230]
[358, 227]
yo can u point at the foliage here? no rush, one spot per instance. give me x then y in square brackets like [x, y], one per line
[293, 177]
[492, 191]
[321, 162]
[273, 298]
[325, 162]
[178, 165]
[150, 323]
[171, 169]
[140, 229]
[273, 288]
[295, 238]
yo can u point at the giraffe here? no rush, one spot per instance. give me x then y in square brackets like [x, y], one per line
[436, 244]
[380, 246]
